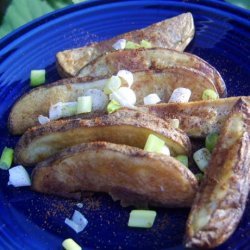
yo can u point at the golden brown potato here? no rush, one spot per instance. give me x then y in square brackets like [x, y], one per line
[37, 102]
[221, 200]
[197, 119]
[155, 58]
[129, 174]
[127, 127]
[174, 33]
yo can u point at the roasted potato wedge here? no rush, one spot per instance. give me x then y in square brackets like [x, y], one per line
[197, 119]
[155, 58]
[37, 102]
[120, 170]
[174, 33]
[127, 127]
[220, 203]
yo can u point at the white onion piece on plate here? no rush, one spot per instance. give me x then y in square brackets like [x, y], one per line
[175, 123]
[78, 222]
[165, 150]
[151, 99]
[19, 177]
[99, 99]
[43, 119]
[127, 76]
[124, 96]
[62, 109]
[119, 44]
[180, 95]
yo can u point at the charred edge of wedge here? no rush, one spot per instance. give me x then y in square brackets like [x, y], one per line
[197, 118]
[44, 174]
[185, 21]
[204, 67]
[126, 117]
[210, 224]
[67, 82]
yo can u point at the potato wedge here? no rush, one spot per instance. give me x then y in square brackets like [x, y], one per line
[197, 119]
[174, 33]
[155, 58]
[37, 102]
[220, 203]
[123, 127]
[120, 170]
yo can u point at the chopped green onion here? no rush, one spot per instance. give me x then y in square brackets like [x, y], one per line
[84, 104]
[199, 177]
[19, 177]
[141, 218]
[181, 95]
[70, 244]
[209, 94]
[182, 159]
[112, 84]
[165, 150]
[151, 99]
[113, 106]
[6, 158]
[202, 158]
[62, 109]
[146, 44]
[154, 144]
[99, 99]
[132, 45]
[211, 141]
[37, 77]
[120, 44]
[127, 76]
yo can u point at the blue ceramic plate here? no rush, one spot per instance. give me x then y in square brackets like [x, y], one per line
[33, 221]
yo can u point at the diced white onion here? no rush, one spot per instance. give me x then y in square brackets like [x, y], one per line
[80, 205]
[175, 123]
[165, 150]
[151, 99]
[73, 225]
[43, 119]
[202, 158]
[78, 222]
[99, 99]
[19, 177]
[127, 76]
[62, 109]
[79, 219]
[181, 95]
[125, 96]
[120, 44]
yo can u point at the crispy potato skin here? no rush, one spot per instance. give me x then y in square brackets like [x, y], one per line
[118, 170]
[221, 200]
[174, 33]
[123, 127]
[37, 102]
[156, 58]
[197, 119]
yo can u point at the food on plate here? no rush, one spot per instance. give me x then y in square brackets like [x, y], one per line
[127, 127]
[155, 58]
[120, 170]
[221, 200]
[163, 82]
[197, 119]
[174, 33]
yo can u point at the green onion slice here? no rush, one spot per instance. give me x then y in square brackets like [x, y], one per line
[202, 158]
[6, 158]
[209, 94]
[154, 144]
[146, 44]
[37, 77]
[113, 106]
[112, 84]
[182, 159]
[141, 218]
[70, 244]
[132, 45]
[84, 104]
[211, 141]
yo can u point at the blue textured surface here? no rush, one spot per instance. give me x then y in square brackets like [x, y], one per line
[32, 221]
